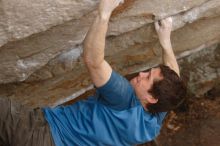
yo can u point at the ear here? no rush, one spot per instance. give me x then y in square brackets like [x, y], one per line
[151, 99]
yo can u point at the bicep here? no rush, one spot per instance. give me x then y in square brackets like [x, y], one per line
[101, 74]
[113, 89]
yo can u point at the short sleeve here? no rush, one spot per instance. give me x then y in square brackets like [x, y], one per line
[117, 93]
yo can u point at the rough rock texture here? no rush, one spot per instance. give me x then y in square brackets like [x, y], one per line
[199, 73]
[41, 42]
[57, 27]
[202, 70]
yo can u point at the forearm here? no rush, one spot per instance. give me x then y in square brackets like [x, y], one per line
[164, 32]
[169, 58]
[94, 42]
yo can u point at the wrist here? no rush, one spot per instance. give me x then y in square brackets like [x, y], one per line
[102, 20]
[166, 44]
[167, 47]
[105, 17]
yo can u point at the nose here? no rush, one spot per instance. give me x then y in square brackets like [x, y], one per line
[143, 74]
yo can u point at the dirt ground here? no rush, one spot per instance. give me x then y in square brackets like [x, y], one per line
[197, 123]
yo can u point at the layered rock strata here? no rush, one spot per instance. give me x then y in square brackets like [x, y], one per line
[40, 51]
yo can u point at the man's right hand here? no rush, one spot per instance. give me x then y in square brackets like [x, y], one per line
[107, 6]
[164, 31]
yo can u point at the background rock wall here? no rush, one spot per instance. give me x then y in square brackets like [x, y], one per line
[41, 42]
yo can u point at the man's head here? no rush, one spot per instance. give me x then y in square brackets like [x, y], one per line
[159, 89]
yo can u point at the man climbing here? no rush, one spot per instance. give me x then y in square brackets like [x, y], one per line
[121, 113]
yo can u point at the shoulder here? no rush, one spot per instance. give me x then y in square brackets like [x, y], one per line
[115, 82]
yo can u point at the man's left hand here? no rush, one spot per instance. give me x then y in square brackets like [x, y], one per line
[107, 6]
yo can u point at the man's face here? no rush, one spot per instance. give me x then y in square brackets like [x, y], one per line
[143, 83]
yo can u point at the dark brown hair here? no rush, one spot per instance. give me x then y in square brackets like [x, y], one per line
[170, 91]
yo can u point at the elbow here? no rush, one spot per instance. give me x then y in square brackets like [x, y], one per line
[175, 68]
[91, 61]
[91, 57]
[86, 56]
[87, 61]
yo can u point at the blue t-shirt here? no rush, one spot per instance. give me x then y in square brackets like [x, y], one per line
[112, 117]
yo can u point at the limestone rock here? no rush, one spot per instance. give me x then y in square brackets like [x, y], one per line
[41, 42]
[60, 26]
[27, 17]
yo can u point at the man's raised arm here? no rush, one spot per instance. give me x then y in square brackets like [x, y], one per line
[164, 31]
[94, 44]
